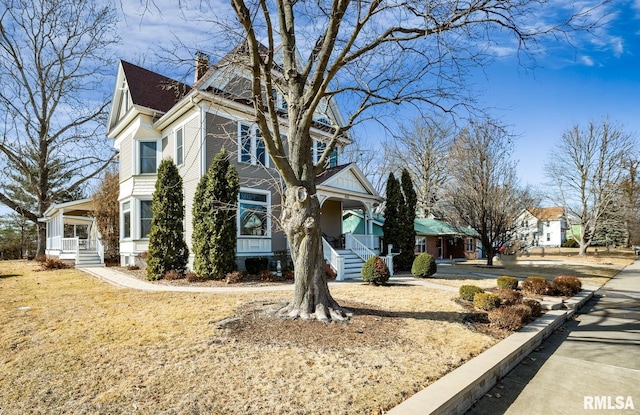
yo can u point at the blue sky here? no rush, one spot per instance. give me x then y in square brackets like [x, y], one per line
[598, 76]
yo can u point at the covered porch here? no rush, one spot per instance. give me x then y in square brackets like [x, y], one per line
[341, 189]
[72, 233]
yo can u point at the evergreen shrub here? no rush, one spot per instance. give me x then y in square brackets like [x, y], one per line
[506, 282]
[375, 271]
[467, 292]
[424, 266]
[486, 301]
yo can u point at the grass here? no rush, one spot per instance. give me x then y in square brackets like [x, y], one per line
[71, 343]
[591, 270]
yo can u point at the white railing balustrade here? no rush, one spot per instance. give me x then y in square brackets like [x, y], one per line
[334, 259]
[370, 241]
[100, 249]
[69, 244]
[357, 247]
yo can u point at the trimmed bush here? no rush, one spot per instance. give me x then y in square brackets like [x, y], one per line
[48, 264]
[173, 275]
[254, 265]
[486, 301]
[505, 282]
[467, 292]
[536, 285]
[566, 285]
[424, 266]
[234, 277]
[511, 317]
[536, 308]
[193, 277]
[509, 297]
[375, 271]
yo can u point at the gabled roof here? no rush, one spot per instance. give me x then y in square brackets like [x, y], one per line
[347, 177]
[549, 213]
[152, 90]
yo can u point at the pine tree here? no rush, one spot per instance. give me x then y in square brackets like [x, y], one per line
[167, 248]
[407, 216]
[214, 221]
[392, 223]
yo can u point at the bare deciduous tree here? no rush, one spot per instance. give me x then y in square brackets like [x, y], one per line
[483, 192]
[362, 55]
[422, 147]
[587, 169]
[52, 53]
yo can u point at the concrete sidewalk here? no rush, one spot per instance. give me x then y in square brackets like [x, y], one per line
[590, 365]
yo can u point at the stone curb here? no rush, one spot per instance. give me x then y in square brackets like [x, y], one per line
[457, 391]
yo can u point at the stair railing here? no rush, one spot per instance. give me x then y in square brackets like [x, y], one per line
[334, 259]
[363, 252]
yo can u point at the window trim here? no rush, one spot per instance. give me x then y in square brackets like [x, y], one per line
[267, 204]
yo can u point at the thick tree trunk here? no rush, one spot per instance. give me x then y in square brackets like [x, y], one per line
[42, 239]
[311, 297]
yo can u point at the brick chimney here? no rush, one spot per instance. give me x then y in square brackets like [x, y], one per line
[202, 65]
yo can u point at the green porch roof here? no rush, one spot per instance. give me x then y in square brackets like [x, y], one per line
[434, 227]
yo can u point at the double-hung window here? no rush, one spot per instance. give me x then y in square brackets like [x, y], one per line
[253, 213]
[148, 157]
[179, 147]
[470, 245]
[251, 147]
[126, 220]
[145, 218]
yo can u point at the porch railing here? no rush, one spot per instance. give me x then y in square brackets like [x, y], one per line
[334, 259]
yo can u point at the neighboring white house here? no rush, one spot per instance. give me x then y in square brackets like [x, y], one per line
[544, 227]
[154, 117]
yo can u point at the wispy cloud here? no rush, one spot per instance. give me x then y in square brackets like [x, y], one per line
[587, 60]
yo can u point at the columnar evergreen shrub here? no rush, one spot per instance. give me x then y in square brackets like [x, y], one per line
[536, 285]
[467, 292]
[424, 266]
[391, 227]
[167, 247]
[486, 301]
[506, 282]
[375, 271]
[407, 212]
[214, 220]
[566, 285]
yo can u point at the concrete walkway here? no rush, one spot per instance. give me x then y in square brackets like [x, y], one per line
[591, 365]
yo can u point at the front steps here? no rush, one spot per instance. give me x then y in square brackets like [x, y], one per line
[87, 259]
[352, 264]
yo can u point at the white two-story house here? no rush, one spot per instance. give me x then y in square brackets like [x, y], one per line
[545, 227]
[154, 117]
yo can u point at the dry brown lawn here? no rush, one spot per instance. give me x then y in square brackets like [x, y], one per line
[73, 344]
[593, 270]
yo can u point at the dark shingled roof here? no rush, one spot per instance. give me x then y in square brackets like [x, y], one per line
[152, 90]
[329, 173]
